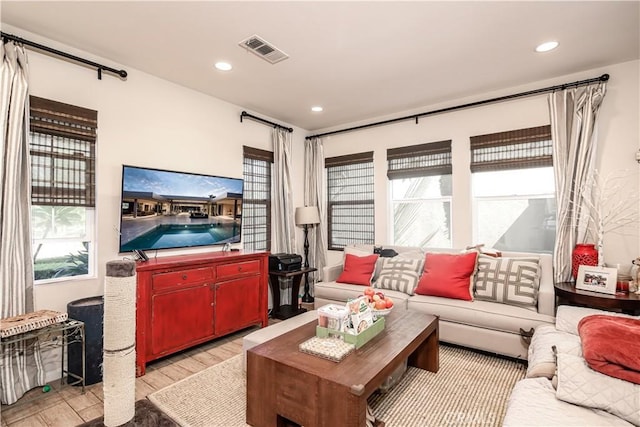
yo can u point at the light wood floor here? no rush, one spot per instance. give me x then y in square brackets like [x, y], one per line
[67, 406]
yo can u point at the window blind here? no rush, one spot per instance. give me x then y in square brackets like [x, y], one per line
[256, 211]
[349, 159]
[350, 200]
[414, 161]
[257, 154]
[516, 149]
[62, 146]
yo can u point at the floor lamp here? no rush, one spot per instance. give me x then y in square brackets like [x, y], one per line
[306, 217]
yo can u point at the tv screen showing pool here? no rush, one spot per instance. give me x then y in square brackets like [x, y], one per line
[164, 209]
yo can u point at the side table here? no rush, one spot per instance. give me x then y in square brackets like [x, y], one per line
[56, 335]
[287, 310]
[628, 303]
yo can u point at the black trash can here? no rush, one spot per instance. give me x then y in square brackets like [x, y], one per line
[91, 312]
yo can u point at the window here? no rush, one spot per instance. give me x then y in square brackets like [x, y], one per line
[514, 190]
[62, 146]
[350, 200]
[256, 215]
[420, 181]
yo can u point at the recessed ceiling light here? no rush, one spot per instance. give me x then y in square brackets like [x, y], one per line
[316, 109]
[547, 46]
[223, 66]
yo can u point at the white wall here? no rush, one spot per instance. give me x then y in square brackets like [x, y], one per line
[144, 121]
[147, 121]
[618, 141]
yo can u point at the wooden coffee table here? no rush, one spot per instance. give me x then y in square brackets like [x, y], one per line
[287, 387]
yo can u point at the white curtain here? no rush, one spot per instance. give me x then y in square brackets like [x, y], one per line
[282, 222]
[21, 363]
[315, 194]
[574, 114]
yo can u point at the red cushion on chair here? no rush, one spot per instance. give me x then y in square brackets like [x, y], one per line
[358, 270]
[448, 275]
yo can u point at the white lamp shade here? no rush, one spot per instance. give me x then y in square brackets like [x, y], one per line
[307, 215]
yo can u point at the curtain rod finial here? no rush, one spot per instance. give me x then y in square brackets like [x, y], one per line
[604, 77]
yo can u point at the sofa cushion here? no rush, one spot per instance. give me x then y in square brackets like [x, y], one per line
[357, 251]
[400, 273]
[513, 281]
[580, 385]
[358, 270]
[533, 403]
[448, 275]
[568, 317]
[482, 314]
[541, 358]
[342, 292]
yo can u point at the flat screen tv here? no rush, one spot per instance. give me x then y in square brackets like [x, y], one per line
[162, 209]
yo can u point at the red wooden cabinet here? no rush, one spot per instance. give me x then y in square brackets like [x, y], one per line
[172, 325]
[237, 302]
[189, 299]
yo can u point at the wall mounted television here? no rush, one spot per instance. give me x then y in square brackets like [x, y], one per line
[162, 209]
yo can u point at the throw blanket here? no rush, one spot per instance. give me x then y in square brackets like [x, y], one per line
[611, 345]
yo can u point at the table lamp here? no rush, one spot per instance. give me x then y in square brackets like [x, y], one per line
[307, 216]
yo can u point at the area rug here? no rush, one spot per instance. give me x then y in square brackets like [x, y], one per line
[469, 389]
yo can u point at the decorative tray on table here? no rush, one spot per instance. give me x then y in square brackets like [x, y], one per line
[357, 340]
[333, 349]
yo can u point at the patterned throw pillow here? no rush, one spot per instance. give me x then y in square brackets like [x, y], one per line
[400, 273]
[513, 281]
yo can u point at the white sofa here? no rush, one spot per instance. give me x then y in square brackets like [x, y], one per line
[482, 325]
[577, 396]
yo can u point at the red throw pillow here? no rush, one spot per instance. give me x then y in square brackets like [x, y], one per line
[448, 275]
[358, 270]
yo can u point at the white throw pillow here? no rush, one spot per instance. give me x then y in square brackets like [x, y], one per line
[581, 385]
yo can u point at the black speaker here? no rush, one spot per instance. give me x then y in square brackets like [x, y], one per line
[91, 312]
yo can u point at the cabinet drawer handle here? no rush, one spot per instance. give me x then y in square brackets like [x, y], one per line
[184, 277]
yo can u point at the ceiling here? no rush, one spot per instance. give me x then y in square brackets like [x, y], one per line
[359, 60]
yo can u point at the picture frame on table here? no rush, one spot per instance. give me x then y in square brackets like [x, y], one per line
[597, 279]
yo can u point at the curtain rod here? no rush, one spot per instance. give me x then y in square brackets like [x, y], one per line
[602, 78]
[259, 119]
[99, 67]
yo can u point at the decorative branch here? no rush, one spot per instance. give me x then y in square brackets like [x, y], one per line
[609, 207]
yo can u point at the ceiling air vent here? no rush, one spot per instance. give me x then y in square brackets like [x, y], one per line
[263, 49]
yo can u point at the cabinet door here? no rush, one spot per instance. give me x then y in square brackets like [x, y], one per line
[237, 304]
[180, 317]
